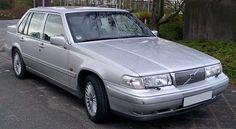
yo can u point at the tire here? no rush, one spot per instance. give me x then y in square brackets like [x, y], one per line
[18, 65]
[96, 101]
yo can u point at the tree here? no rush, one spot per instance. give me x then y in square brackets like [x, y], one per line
[158, 11]
[87, 2]
[5, 4]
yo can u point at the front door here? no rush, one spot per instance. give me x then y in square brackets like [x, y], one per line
[54, 59]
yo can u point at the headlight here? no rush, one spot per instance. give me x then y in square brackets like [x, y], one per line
[157, 81]
[147, 82]
[213, 70]
[132, 82]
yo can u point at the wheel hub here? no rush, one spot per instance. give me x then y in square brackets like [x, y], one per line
[17, 64]
[90, 99]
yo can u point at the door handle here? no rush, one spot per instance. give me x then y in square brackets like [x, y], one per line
[41, 45]
[22, 39]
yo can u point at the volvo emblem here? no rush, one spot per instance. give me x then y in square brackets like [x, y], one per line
[191, 77]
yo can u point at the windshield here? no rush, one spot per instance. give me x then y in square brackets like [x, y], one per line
[89, 26]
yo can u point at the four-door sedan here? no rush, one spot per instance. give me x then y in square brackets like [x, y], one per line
[113, 61]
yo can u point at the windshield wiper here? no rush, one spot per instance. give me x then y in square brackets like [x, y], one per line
[99, 39]
[133, 36]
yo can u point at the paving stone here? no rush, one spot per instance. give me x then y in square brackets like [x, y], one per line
[224, 116]
[205, 124]
[203, 113]
[227, 124]
[222, 112]
[234, 109]
[231, 99]
[1, 45]
[219, 101]
[231, 90]
[179, 124]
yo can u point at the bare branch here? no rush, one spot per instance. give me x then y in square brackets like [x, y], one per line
[166, 19]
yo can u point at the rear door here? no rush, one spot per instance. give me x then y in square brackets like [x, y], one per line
[30, 33]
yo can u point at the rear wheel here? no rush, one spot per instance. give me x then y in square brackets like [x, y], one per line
[95, 99]
[18, 65]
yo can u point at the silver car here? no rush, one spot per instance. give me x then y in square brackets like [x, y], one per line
[113, 61]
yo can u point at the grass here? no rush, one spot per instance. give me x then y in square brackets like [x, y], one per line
[225, 51]
[172, 30]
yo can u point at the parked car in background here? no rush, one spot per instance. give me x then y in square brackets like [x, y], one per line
[113, 61]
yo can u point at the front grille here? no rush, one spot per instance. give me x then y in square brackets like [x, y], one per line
[189, 76]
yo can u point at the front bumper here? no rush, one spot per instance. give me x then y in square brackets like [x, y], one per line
[152, 103]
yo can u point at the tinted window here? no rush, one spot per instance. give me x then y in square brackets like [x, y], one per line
[22, 24]
[53, 27]
[27, 25]
[35, 25]
[88, 26]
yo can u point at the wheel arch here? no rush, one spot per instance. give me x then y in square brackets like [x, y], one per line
[82, 75]
[14, 47]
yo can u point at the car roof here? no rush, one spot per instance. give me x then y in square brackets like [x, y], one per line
[68, 9]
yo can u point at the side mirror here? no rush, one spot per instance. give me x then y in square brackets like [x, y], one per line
[155, 32]
[58, 41]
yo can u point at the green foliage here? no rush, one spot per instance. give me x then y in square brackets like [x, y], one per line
[16, 10]
[23, 3]
[14, 13]
[225, 51]
[141, 16]
[5, 5]
[172, 30]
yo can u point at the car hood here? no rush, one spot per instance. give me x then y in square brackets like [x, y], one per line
[151, 55]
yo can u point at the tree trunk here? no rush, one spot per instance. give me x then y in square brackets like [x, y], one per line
[157, 13]
[87, 3]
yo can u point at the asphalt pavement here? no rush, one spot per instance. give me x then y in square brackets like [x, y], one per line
[34, 103]
[3, 30]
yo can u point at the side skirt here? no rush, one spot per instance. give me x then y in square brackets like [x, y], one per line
[49, 79]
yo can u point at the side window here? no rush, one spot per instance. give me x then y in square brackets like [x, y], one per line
[22, 24]
[35, 25]
[53, 27]
[27, 25]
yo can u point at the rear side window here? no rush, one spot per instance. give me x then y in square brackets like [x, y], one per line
[35, 25]
[53, 27]
[22, 24]
[25, 32]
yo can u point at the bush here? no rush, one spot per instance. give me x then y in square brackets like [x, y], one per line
[24, 3]
[172, 30]
[5, 5]
[225, 51]
[141, 16]
[12, 13]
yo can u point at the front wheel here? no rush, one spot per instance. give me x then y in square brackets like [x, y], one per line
[95, 99]
[18, 65]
